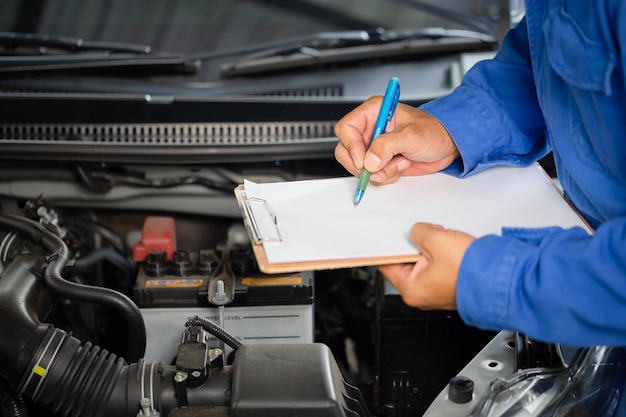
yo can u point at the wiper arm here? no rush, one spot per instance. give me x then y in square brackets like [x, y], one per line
[126, 55]
[335, 40]
[316, 39]
[341, 39]
[15, 40]
[435, 33]
[330, 47]
[170, 63]
[59, 53]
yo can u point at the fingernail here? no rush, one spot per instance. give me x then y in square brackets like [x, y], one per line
[371, 162]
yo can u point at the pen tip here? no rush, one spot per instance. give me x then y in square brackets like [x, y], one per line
[357, 197]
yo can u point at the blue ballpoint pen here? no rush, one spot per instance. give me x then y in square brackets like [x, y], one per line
[387, 109]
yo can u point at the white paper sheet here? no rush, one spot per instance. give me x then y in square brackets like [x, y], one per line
[318, 221]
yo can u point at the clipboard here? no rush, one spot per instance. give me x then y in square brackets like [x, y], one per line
[484, 202]
[257, 238]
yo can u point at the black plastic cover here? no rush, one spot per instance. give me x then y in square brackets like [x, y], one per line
[291, 380]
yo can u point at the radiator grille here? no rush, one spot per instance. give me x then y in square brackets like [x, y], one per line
[179, 134]
[314, 92]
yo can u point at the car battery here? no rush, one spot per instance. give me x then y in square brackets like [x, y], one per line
[172, 287]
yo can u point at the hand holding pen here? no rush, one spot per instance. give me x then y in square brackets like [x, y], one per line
[414, 143]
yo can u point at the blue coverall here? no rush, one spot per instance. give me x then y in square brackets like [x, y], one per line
[558, 83]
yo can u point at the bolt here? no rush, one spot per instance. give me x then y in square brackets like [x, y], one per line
[214, 353]
[220, 294]
[460, 389]
[180, 377]
[146, 406]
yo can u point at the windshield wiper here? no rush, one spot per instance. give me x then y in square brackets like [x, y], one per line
[332, 47]
[20, 52]
[435, 33]
[315, 39]
[12, 41]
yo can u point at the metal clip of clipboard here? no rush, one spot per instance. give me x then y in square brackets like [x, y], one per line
[249, 219]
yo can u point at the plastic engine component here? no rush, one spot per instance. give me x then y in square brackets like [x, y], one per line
[291, 380]
[157, 235]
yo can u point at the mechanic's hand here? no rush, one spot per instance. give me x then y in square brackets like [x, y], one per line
[415, 143]
[430, 283]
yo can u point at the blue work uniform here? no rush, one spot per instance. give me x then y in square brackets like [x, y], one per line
[558, 83]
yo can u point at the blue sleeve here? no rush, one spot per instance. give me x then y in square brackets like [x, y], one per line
[556, 285]
[494, 116]
[560, 286]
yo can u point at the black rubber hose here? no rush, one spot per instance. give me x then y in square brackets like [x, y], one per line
[215, 330]
[74, 380]
[12, 404]
[86, 381]
[79, 292]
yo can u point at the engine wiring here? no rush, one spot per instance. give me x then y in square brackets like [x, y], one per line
[102, 181]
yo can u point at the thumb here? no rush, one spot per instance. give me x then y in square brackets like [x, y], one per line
[444, 248]
[427, 237]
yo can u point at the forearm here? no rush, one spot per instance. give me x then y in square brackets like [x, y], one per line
[548, 284]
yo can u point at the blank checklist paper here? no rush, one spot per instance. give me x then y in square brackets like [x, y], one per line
[313, 224]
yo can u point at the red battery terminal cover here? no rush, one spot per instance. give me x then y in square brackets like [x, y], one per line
[157, 235]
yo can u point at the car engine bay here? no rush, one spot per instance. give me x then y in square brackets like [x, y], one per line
[174, 324]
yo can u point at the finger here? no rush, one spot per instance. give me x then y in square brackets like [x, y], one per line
[386, 157]
[431, 282]
[383, 149]
[409, 280]
[354, 131]
[343, 156]
[397, 274]
[439, 244]
[404, 140]
[392, 171]
[427, 237]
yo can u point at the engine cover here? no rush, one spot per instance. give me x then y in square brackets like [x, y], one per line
[291, 380]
